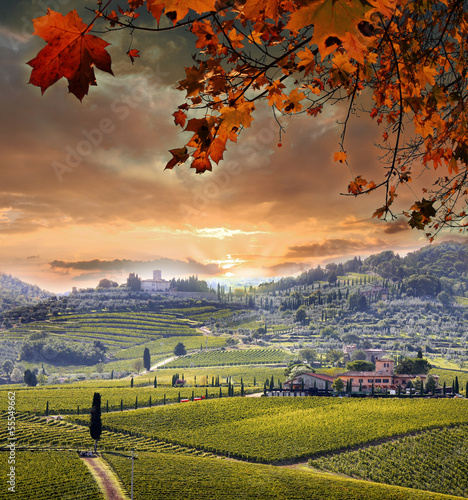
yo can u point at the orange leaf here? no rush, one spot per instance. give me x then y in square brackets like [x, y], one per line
[179, 118]
[181, 8]
[233, 117]
[355, 187]
[179, 156]
[70, 52]
[330, 18]
[341, 156]
[132, 54]
[380, 212]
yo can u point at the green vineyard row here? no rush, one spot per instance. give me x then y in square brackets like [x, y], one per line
[435, 460]
[274, 430]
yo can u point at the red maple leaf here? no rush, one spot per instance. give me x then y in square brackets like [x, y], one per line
[132, 54]
[71, 52]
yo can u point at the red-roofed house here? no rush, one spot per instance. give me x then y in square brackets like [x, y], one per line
[383, 377]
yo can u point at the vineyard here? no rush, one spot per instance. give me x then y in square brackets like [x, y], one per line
[182, 477]
[435, 460]
[44, 475]
[161, 347]
[78, 399]
[116, 330]
[283, 429]
[40, 432]
[229, 358]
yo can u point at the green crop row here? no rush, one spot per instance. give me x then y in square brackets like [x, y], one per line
[181, 477]
[49, 475]
[237, 357]
[74, 399]
[435, 460]
[33, 431]
[282, 429]
[164, 346]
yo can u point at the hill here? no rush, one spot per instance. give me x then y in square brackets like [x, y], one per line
[16, 293]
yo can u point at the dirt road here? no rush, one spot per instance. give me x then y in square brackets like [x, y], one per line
[105, 478]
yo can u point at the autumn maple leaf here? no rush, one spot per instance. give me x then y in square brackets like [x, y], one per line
[71, 52]
[330, 18]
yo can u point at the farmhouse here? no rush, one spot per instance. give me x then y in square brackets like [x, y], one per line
[157, 284]
[383, 377]
[308, 382]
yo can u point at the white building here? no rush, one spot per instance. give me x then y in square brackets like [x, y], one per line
[157, 284]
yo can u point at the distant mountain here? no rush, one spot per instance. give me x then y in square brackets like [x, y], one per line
[17, 293]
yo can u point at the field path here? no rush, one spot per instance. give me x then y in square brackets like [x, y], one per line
[105, 478]
[163, 362]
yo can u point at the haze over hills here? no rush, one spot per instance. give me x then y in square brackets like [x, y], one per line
[17, 293]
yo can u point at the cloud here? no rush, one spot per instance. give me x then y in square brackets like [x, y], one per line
[170, 267]
[333, 247]
[286, 269]
[396, 227]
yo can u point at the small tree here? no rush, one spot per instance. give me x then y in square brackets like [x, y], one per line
[95, 426]
[131, 382]
[307, 355]
[338, 384]
[155, 383]
[8, 366]
[137, 365]
[30, 378]
[431, 384]
[179, 349]
[147, 359]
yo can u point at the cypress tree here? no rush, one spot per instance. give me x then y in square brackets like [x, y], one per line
[372, 388]
[150, 402]
[193, 395]
[131, 382]
[242, 388]
[164, 400]
[107, 406]
[47, 409]
[457, 387]
[178, 397]
[220, 392]
[112, 375]
[95, 424]
[155, 383]
[121, 404]
[206, 393]
[265, 389]
[444, 390]
[466, 389]
[255, 381]
[78, 410]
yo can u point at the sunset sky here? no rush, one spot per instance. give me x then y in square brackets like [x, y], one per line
[84, 194]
